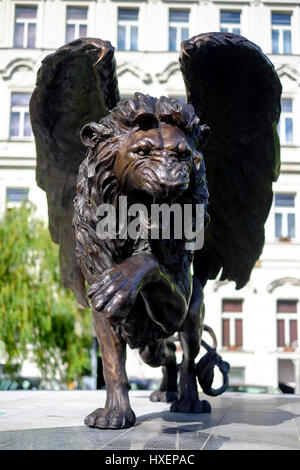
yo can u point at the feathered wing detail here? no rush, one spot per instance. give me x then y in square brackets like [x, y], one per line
[235, 91]
[75, 85]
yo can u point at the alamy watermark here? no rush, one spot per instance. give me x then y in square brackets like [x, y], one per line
[162, 221]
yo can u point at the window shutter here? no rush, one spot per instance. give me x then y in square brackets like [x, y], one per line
[286, 306]
[232, 305]
[293, 332]
[280, 333]
[226, 332]
[239, 332]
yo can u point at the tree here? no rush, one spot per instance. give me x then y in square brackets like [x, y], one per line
[37, 315]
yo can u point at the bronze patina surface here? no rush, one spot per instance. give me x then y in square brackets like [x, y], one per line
[155, 151]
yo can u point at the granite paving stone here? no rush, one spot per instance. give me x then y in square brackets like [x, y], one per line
[46, 420]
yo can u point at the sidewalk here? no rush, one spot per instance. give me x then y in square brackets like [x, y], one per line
[54, 420]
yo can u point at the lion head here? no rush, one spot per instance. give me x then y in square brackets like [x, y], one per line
[146, 148]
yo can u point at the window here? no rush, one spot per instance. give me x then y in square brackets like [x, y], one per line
[281, 33]
[16, 195]
[285, 216]
[25, 27]
[287, 325]
[237, 375]
[230, 21]
[20, 126]
[128, 29]
[232, 323]
[285, 125]
[178, 28]
[76, 23]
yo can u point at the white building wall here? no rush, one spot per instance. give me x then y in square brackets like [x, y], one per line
[154, 70]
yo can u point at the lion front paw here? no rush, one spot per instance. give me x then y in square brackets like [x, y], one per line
[110, 418]
[113, 295]
[189, 405]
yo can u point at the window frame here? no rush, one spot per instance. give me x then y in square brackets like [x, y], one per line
[287, 317]
[227, 27]
[22, 111]
[128, 24]
[281, 28]
[282, 122]
[234, 379]
[76, 22]
[26, 22]
[179, 26]
[285, 211]
[233, 317]
[12, 204]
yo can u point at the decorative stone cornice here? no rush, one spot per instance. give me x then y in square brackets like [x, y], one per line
[16, 64]
[218, 284]
[281, 282]
[134, 70]
[164, 76]
[287, 70]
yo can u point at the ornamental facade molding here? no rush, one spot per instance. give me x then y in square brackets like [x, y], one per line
[289, 72]
[17, 65]
[134, 70]
[281, 282]
[170, 70]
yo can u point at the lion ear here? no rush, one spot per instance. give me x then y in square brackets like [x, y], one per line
[89, 134]
[93, 133]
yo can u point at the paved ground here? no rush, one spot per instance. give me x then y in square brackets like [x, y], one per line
[54, 420]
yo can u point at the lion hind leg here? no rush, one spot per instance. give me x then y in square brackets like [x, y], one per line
[190, 333]
[162, 353]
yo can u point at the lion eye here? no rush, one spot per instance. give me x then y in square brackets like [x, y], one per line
[184, 155]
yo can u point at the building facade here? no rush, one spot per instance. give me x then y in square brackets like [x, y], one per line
[257, 327]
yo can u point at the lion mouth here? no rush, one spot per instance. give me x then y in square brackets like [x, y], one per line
[166, 186]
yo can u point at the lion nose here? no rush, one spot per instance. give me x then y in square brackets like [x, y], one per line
[170, 159]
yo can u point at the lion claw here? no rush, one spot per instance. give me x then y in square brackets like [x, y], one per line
[113, 295]
[110, 418]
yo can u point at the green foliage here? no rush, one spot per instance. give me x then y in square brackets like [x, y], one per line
[38, 317]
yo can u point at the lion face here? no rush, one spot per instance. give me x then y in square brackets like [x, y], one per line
[156, 161]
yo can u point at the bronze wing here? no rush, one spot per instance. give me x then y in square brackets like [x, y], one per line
[234, 89]
[75, 85]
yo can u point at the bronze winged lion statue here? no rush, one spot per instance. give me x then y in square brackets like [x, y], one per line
[220, 152]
